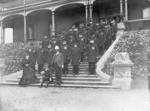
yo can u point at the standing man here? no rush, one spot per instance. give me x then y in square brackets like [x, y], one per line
[65, 52]
[75, 57]
[92, 53]
[81, 42]
[45, 42]
[58, 62]
[49, 55]
[39, 58]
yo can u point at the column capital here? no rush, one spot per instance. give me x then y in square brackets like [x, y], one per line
[86, 2]
[91, 2]
[53, 9]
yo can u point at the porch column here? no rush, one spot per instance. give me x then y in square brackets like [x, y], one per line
[25, 21]
[91, 10]
[126, 10]
[53, 22]
[2, 32]
[121, 7]
[86, 14]
[25, 28]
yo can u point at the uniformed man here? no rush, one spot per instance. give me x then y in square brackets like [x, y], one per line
[65, 51]
[92, 54]
[75, 58]
[81, 42]
[49, 55]
[40, 58]
[45, 42]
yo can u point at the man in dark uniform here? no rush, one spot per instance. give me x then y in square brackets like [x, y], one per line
[75, 57]
[58, 62]
[81, 42]
[49, 55]
[100, 42]
[65, 51]
[92, 54]
[45, 42]
[114, 29]
[40, 58]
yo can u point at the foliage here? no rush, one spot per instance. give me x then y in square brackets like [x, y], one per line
[137, 44]
[13, 54]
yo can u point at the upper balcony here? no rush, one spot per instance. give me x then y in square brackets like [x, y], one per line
[20, 3]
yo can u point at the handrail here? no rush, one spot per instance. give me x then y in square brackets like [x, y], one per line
[101, 63]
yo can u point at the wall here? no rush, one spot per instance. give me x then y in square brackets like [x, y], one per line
[18, 30]
[135, 11]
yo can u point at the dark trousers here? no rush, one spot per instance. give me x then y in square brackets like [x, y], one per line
[40, 68]
[75, 69]
[92, 67]
[46, 80]
[82, 56]
[65, 69]
[57, 73]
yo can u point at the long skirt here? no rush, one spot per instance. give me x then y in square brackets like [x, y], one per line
[28, 76]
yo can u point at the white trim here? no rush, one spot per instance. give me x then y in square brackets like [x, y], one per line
[4, 17]
[137, 20]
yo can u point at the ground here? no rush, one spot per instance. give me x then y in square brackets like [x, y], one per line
[15, 98]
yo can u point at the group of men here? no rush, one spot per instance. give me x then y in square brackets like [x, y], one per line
[79, 44]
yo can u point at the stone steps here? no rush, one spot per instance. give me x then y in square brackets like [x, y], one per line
[82, 80]
[63, 85]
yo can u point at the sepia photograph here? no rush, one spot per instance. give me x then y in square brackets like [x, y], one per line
[74, 55]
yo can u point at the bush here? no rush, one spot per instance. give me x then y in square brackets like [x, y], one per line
[137, 44]
[13, 54]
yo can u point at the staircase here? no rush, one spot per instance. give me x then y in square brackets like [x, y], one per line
[82, 80]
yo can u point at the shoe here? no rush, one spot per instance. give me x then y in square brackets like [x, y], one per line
[40, 86]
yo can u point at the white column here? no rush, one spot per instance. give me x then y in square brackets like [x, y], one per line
[2, 32]
[25, 28]
[86, 13]
[53, 22]
[121, 7]
[126, 10]
[91, 10]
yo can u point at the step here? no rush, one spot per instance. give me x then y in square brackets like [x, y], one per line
[64, 85]
[92, 82]
[85, 64]
[75, 78]
[80, 72]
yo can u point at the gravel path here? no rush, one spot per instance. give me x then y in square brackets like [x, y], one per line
[15, 98]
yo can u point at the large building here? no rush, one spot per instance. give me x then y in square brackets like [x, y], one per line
[31, 19]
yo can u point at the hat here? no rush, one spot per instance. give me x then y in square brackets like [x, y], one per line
[56, 47]
[80, 35]
[64, 42]
[45, 65]
[91, 41]
[76, 29]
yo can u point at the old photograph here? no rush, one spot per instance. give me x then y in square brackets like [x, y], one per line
[74, 55]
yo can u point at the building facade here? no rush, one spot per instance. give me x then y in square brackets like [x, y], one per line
[31, 19]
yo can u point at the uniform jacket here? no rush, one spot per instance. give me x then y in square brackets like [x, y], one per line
[39, 56]
[75, 55]
[92, 53]
[49, 56]
[66, 52]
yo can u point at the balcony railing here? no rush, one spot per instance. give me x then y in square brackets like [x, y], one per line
[20, 3]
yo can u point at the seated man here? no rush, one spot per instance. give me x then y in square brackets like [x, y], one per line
[46, 75]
